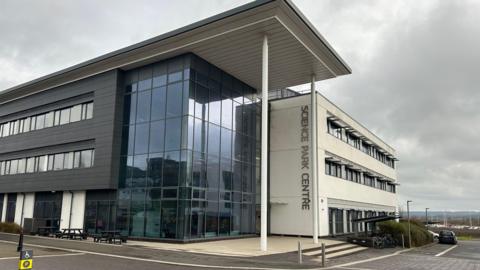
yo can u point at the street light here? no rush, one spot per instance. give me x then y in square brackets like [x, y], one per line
[426, 217]
[409, 228]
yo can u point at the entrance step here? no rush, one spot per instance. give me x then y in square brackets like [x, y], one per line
[336, 250]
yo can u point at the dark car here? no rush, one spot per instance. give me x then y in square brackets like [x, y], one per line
[447, 237]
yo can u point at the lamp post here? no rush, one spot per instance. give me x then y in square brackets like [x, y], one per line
[426, 217]
[409, 227]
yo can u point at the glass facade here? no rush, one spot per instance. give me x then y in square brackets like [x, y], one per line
[189, 154]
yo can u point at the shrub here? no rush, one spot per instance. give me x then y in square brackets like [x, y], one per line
[420, 236]
[7, 227]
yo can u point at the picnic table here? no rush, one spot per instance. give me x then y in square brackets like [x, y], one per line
[72, 233]
[110, 237]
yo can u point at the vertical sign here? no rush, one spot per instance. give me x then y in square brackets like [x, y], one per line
[305, 158]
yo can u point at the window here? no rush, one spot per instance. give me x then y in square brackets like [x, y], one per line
[30, 165]
[56, 118]
[68, 161]
[76, 160]
[49, 117]
[89, 113]
[333, 169]
[40, 121]
[13, 166]
[76, 113]
[58, 162]
[334, 129]
[86, 159]
[65, 116]
[42, 163]
[21, 165]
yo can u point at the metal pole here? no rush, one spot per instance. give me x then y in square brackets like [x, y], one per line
[264, 157]
[323, 254]
[300, 259]
[426, 217]
[71, 208]
[409, 227]
[313, 151]
[403, 241]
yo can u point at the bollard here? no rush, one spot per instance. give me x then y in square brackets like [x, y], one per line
[300, 259]
[323, 254]
[403, 241]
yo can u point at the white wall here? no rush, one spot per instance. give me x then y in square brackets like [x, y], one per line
[78, 209]
[4, 209]
[25, 202]
[287, 216]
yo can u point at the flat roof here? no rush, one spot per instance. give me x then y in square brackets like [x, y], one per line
[230, 40]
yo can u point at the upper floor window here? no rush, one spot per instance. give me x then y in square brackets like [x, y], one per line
[352, 175]
[49, 119]
[334, 129]
[51, 162]
[333, 169]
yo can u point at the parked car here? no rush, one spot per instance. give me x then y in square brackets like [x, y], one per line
[434, 234]
[447, 237]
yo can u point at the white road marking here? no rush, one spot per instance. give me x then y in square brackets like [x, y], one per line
[368, 260]
[445, 251]
[45, 256]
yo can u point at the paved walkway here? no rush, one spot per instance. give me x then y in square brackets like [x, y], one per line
[245, 247]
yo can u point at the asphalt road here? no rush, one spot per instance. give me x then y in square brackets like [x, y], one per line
[443, 257]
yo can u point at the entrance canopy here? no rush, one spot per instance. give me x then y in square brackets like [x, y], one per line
[232, 41]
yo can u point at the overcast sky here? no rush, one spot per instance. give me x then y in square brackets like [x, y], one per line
[415, 81]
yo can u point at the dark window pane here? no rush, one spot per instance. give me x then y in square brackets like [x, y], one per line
[157, 135]
[199, 170]
[237, 116]
[171, 169]
[174, 99]
[141, 138]
[211, 219]
[169, 219]
[159, 98]
[131, 139]
[224, 218]
[152, 220]
[137, 218]
[213, 170]
[139, 171]
[145, 84]
[237, 176]
[173, 134]
[143, 110]
[155, 166]
[226, 174]
[133, 108]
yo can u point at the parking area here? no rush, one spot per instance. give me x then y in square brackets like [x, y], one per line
[464, 256]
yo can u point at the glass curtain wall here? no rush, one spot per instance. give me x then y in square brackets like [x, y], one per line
[47, 209]
[189, 152]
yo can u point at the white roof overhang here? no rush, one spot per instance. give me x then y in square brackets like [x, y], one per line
[232, 41]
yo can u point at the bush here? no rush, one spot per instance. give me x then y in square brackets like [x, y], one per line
[7, 227]
[420, 236]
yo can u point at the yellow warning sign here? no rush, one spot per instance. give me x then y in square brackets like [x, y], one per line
[25, 264]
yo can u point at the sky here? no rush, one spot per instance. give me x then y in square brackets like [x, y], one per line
[415, 80]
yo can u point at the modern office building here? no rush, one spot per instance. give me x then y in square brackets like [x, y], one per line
[176, 138]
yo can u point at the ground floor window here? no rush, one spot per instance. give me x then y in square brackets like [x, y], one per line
[47, 209]
[11, 205]
[336, 221]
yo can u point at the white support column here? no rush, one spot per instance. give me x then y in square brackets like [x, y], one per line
[264, 163]
[4, 210]
[313, 154]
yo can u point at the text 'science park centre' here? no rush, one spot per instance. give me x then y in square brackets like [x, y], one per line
[195, 134]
